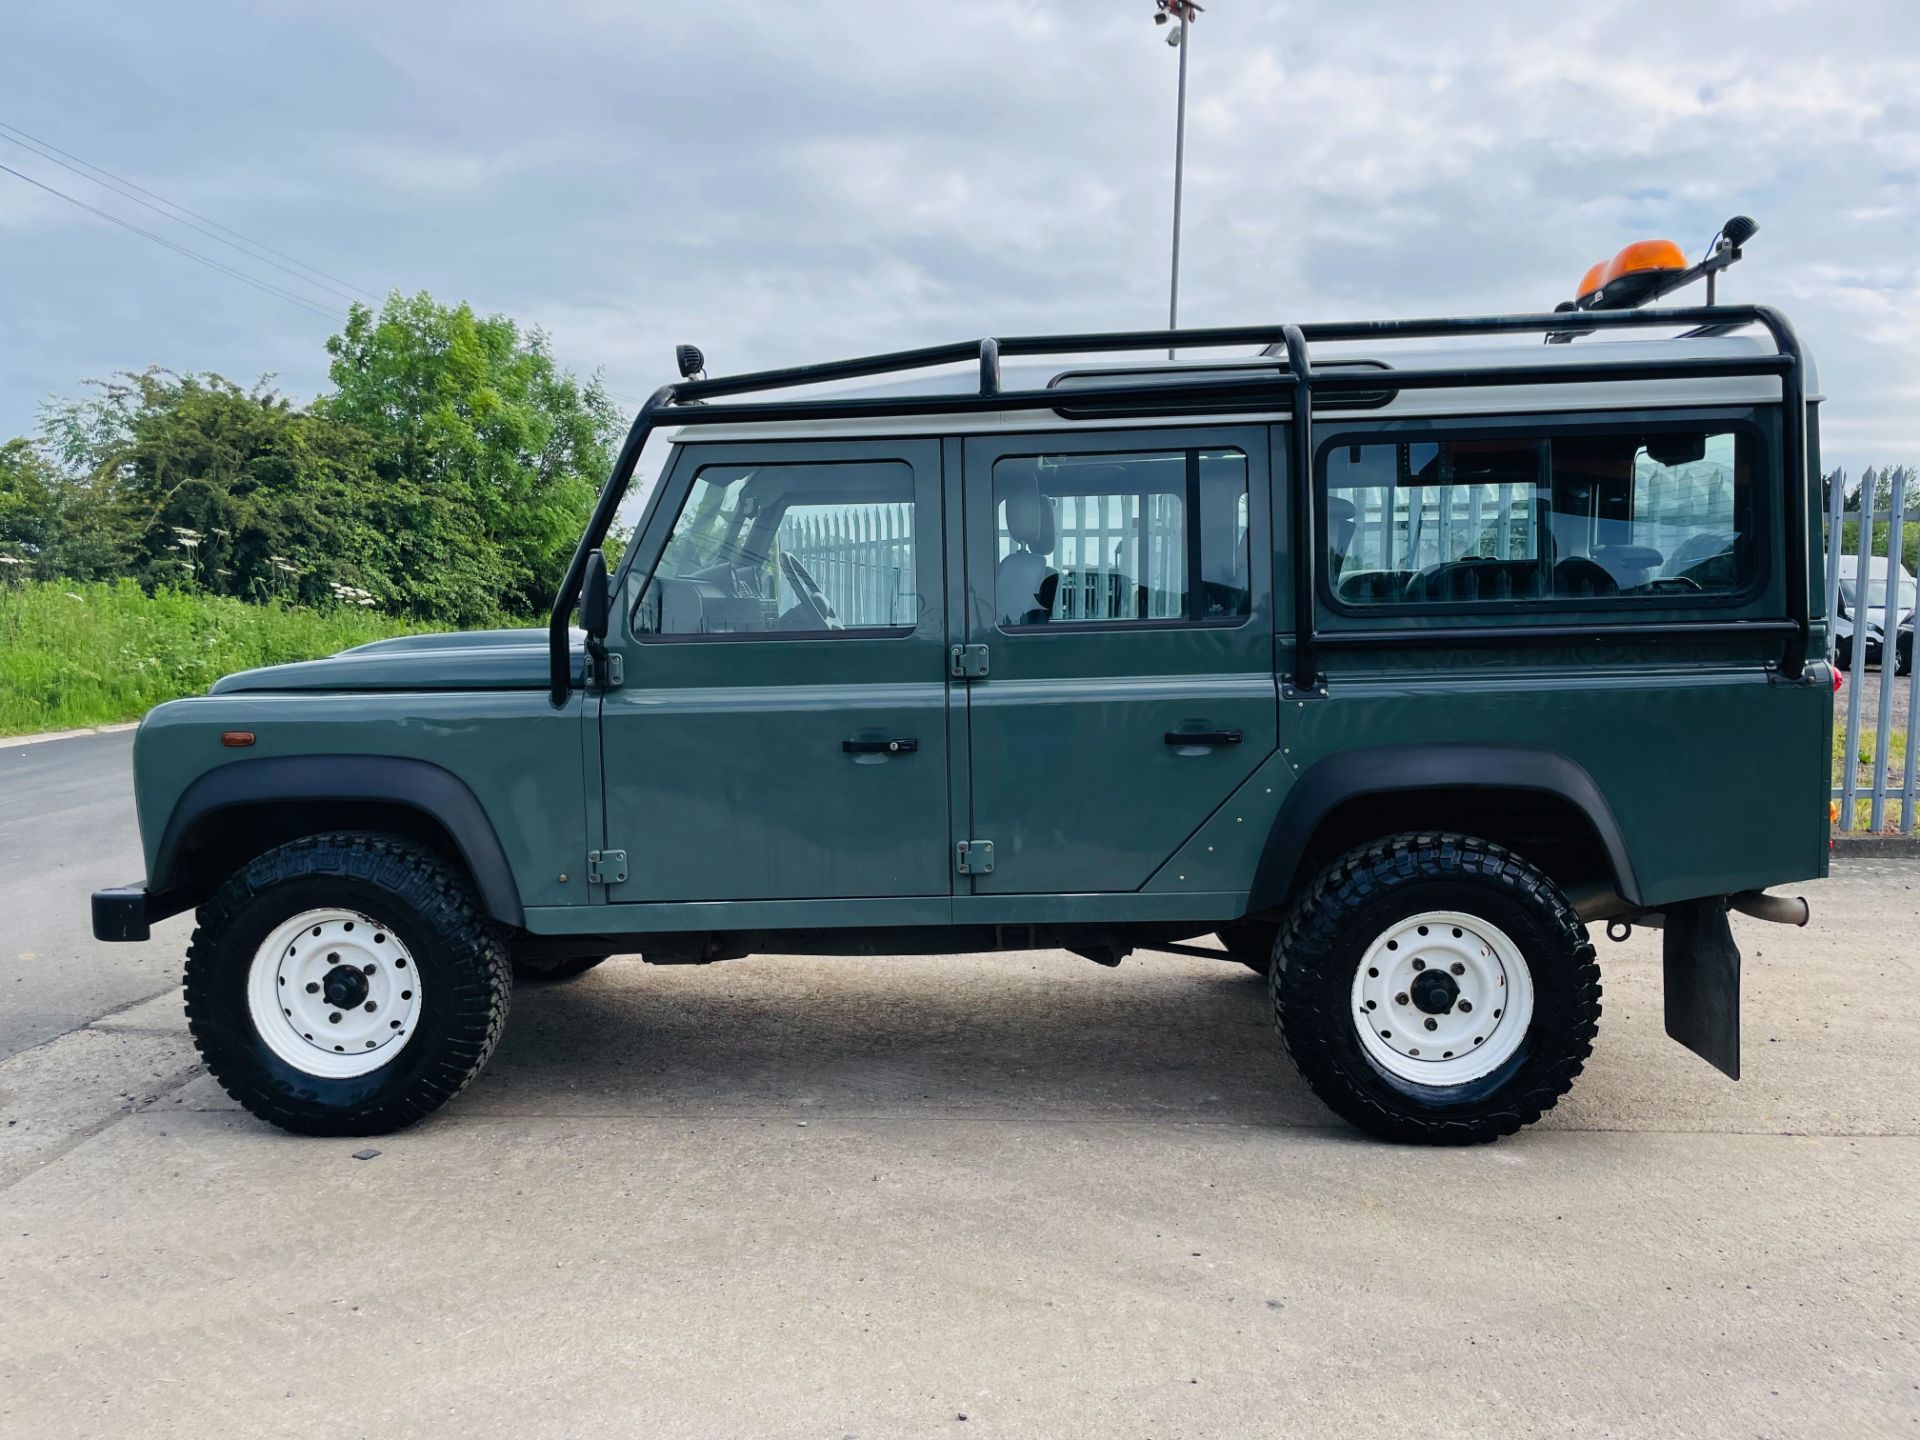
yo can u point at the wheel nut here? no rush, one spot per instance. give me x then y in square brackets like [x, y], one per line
[371, 1007]
[313, 987]
[1419, 964]
[1432, 1024]
[1457, 968]
[1401, 998]
[334, 1019]
[1465, 1006]
[366, 969]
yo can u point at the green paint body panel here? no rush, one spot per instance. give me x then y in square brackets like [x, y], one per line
[519, 756]
[718, 765]
[1073, 780]
[725, 774]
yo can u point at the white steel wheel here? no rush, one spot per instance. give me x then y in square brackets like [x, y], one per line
[334, 993]
[1442, 998]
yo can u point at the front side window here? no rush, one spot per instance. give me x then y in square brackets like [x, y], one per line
[788, 549]
[1112, 538]
[1572, 518]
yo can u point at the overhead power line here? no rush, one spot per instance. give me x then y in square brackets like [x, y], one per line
[254, 249]
[208, 261]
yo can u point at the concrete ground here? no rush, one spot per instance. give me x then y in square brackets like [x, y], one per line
[793, 1197]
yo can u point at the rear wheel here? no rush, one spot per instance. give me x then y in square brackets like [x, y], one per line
[1436, 989]
[345, 985]
[556, 968]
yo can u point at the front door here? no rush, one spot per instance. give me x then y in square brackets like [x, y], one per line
[1121, 584]
[780, 732]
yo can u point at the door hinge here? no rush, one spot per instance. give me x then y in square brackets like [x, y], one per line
[968, 662]
[606, 671]
[606, 867]
[974, 857]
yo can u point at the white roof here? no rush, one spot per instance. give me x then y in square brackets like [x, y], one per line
[1849, 568]
[1466, 400]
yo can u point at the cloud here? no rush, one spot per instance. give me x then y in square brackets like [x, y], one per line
[786, 182]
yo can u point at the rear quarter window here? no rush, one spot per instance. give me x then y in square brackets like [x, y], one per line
[1603, 518]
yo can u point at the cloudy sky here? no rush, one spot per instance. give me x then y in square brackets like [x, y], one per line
[783, 181]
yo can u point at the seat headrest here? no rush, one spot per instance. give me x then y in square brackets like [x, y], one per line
[1029, 515]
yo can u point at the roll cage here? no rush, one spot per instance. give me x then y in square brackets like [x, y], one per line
[1292, 387]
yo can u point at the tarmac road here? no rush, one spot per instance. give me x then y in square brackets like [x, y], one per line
[793, 1197]
[66, 830]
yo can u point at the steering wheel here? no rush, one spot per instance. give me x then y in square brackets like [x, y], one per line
[810, 593]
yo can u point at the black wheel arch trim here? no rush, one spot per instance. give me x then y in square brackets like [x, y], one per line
[387, 779]
[1354, 774]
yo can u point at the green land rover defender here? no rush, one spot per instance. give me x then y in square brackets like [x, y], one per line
[1391, 653]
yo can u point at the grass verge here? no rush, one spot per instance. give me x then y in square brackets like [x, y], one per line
[73, 655]
[1863, 761]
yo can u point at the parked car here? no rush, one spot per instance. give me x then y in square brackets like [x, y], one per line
[1394, 667]
[1871, 618]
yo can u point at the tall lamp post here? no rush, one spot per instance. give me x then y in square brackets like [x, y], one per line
[1181, 13]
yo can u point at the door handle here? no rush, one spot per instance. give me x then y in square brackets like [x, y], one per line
[1203, 737]
[905, 745]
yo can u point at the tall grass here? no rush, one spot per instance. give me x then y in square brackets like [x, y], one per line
[93, 654]
[1863, 761]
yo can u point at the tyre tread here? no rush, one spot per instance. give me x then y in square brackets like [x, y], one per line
[480, 988]
[1309, 937]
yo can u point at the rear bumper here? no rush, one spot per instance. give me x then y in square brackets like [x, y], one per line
[127, 912]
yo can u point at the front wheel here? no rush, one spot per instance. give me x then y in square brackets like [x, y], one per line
[345, 985]
[1436, 989]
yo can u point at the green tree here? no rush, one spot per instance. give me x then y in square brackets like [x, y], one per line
[494, 453]
[1868, 486]
[192, 481]
[29, 507]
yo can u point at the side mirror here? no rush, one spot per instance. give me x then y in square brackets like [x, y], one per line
[595, 599]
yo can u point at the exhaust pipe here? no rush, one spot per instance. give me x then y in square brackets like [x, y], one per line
[1780, 909]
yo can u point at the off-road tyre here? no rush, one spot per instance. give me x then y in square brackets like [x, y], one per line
[1250, 942]
[1361, 896]
[529, 971]
[465, 981]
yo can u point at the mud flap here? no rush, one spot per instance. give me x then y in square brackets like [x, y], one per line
[1703, 982]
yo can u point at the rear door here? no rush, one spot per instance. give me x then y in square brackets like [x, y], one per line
[1119, 584]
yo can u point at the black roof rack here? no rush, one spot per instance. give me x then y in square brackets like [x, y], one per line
[688, 402]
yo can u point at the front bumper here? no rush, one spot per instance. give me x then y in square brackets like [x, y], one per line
[122, 913]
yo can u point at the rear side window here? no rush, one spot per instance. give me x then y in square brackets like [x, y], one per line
[1606, 517]
[1112, 538]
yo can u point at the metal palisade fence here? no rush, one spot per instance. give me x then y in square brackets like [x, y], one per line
[1870, 604]
[862, 557]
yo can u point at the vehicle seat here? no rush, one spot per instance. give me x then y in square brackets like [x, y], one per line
[1024, 583]
[1476, 577]
[1578, 577]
